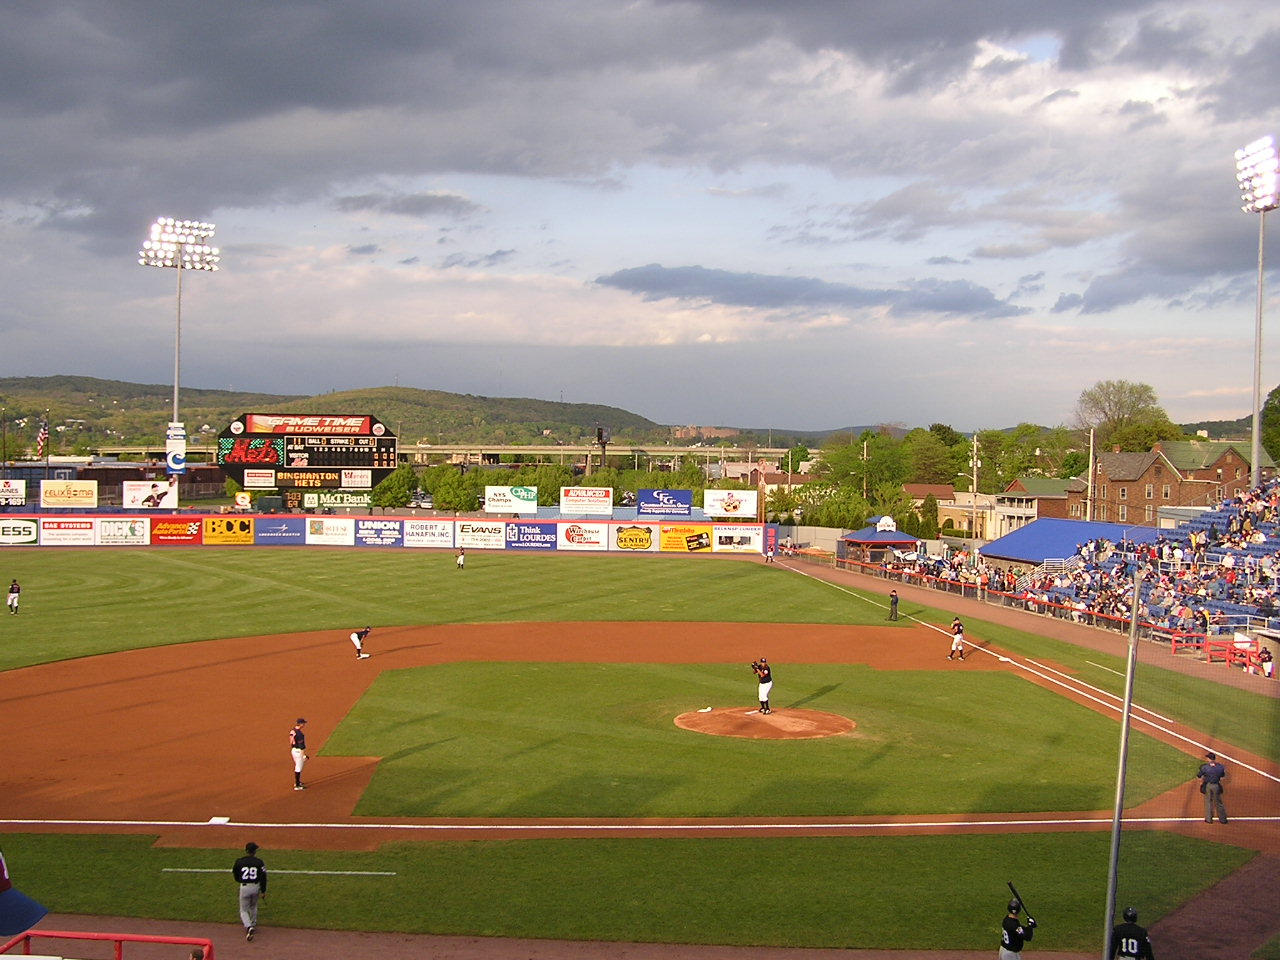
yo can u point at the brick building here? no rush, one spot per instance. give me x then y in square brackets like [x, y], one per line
[1132, 487]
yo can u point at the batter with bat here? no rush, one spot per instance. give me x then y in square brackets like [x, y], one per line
[1013, 932]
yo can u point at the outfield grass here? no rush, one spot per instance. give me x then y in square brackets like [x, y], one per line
[882, 892]
[597, 740]
[921, 745]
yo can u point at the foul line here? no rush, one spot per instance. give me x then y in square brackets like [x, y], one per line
[722, 826]
[274, 871]
[1078, 687]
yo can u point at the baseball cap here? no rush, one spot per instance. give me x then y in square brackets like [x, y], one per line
[302, 720]
[1211, 755]
[18, 912]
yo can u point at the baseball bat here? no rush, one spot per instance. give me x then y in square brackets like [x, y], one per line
[1018, 897]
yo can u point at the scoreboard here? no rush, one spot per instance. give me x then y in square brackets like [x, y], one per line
[372, 452]
[271, 451]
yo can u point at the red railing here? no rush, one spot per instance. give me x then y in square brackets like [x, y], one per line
[23, 941]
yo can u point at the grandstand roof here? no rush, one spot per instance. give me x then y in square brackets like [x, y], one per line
[1050, 539]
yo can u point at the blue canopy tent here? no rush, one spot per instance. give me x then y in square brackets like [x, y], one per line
[877, 543]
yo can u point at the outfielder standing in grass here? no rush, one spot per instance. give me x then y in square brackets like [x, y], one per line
[15, 592]
[298, 748]
[764, 676]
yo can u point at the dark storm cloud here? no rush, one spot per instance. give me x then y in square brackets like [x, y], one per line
[924, 44]
[765, 292]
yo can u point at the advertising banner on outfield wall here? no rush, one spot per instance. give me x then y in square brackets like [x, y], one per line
[587, 501]
[521, 500]
[229, 531]
[527, 535]
[13, 493]
[481, 534]
[635, 537]
[428, 533]
[165, 532]
[378, 532]
[69, 493]
[583, 536]
[18, 533]
[149, 494]
[730, 503]
[685, 537]
[280, 531]
[736, 538]
[331, 531]
[664, 503]
[66, 533]
[123, 531]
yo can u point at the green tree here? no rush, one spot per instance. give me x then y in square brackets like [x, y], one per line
[1125, 415]
[1269, 424]
[396, 489]
[928, 459]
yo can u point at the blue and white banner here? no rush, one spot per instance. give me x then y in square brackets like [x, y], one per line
[664, 503]
[523, 535]
[277, 530]
[379, 532]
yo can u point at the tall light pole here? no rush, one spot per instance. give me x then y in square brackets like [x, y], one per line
[1256, 170]
[183, 245]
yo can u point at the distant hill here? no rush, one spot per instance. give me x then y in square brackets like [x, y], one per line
[85, 413]
[1221, 429]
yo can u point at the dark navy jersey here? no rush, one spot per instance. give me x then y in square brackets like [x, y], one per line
[1013, 934]
[764, 673]
[297, 739]
[250, 870]
[1130, 942]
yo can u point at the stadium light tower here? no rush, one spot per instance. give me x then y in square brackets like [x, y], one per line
[1256, 169]
[183, 245]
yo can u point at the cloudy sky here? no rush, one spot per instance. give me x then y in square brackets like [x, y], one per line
[801, 214]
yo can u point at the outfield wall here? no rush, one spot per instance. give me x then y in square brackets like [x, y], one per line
[300, 530]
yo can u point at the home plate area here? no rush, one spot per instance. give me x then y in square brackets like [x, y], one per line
[781, 724]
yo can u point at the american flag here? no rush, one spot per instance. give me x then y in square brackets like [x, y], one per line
[42, 438]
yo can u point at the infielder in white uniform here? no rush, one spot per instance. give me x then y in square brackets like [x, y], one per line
[298, 748]
[357, 640]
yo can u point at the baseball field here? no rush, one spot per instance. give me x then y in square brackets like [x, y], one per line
[530, 752]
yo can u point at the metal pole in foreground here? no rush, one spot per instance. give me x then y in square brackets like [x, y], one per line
[1255, 438]
[1113, 868]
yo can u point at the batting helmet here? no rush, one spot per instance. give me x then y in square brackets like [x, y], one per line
[1131, 914]
[1015, 905]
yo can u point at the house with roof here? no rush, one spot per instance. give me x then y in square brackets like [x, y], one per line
[1027, 499]
[1130, 488]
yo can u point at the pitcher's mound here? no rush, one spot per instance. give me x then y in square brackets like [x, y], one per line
[781, 724]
